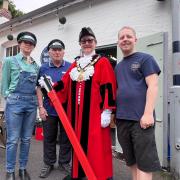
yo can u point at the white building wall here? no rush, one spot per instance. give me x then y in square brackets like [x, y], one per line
[105, 17]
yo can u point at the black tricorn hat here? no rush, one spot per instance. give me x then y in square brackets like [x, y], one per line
[27, 36]
[56, 43]
[86, 31]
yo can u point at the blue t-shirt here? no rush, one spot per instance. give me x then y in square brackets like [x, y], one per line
[56, 74]
[132, 87]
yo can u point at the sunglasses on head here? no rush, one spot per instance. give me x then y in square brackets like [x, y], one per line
[89, 41]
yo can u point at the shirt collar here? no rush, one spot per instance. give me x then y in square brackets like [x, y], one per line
[52, 65]
[21, 57]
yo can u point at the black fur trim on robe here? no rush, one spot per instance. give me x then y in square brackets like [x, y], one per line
[85, 121]
[111, 101]
[73, 103]
[85, 118]
[58, 86]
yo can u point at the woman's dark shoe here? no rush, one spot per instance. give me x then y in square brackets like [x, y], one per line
[10, 176]
[23, 174]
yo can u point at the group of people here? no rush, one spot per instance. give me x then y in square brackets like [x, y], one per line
[93, 95]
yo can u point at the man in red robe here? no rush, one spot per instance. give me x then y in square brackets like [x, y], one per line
[89, 87]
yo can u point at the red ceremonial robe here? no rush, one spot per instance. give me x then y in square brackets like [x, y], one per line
[84, 110]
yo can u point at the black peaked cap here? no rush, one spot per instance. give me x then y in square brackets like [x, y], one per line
[56, 43]
[86, 31]
[27, 36]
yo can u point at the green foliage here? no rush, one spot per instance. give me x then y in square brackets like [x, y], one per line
[1, 3]
[15, 12]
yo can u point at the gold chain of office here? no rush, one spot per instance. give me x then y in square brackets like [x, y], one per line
[82, 70]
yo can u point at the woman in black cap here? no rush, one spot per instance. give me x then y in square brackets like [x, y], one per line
[89, 88]
[18, 88]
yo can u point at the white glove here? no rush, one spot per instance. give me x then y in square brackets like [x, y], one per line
[42, 82]
[105, 118]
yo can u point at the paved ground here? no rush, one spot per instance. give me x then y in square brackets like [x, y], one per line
[121, 172]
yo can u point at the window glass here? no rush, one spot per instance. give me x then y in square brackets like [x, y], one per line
[12, 51]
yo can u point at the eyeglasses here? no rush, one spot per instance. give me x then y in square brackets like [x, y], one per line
[56, 49]
[28, 42]
[89, 41]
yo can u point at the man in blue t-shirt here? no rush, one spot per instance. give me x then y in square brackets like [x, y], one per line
[55, 69]
[137, 79]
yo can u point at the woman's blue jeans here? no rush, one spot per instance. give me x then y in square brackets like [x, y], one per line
[20, 115]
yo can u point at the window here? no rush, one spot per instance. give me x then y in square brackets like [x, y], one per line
[12, 51]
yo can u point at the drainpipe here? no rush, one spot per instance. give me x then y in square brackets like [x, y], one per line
[175, 92]
[176, 41]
